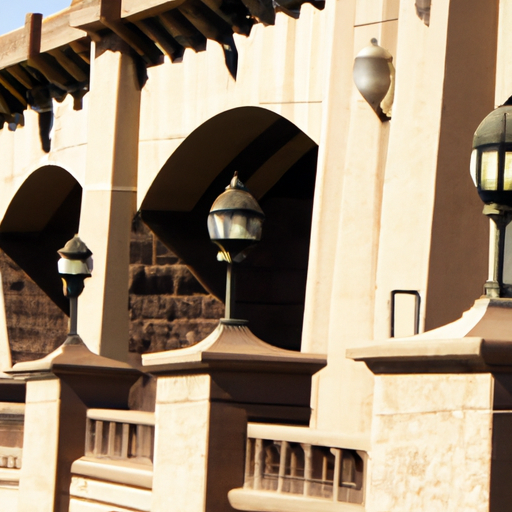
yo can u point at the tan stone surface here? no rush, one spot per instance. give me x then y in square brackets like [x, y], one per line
[113, 494]
[179, 481]
[431, 444]
[182, 388]
[394, 209]
[415, 394]
[38, 481]
[77, 505]
[9, 499]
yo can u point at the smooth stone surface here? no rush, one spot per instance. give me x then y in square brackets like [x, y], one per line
[431, 444]
[401, 394]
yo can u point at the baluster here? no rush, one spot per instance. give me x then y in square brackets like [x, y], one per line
[111, 449]
[125, 440]
[308, 467]
[98, 439]
[258, 463]
[139, 445]
[248, 456]
[337, 470]
[282, 465]
[89, 447]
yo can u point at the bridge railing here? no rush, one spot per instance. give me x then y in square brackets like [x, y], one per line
[120, 435]
[286, 463]
[12, 416]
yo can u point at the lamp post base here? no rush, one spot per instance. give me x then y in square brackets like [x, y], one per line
[501, 216]
[233, 321]
[492, 289]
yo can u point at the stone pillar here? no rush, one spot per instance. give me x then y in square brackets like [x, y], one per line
[346, 220]
[205, 395]
[59, 389]
[442, 414]
[199, 446]
[109, 196]
[53, 438]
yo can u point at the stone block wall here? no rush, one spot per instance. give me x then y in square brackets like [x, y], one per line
[168, 307]
[35, 325]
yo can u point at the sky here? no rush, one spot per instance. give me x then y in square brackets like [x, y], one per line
[12, 12]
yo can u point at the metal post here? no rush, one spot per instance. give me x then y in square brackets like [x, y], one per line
[73, 315]
[229, 292]
[495, 287]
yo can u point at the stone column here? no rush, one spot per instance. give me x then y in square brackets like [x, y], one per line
[109, 196]
[53, 438]
[59, 389]
[442, 415]
[205, 395]
[199, 446]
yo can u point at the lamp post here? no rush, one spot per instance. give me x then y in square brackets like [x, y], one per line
[235, 224]
[491, 171]
[74, 266]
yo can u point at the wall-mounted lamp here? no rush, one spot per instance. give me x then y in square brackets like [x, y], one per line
[235, 224]
[75, 265]
[374, 76]
[491, 171]
[423, 10]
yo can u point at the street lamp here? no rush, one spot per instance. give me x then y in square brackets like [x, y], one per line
[491, 171]
[374, 76]
[74, 266]
[235, 224]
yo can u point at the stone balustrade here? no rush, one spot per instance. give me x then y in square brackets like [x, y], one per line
[12, 418]
[117, 469]
[11, 434]
[297, 462]
[120, 435]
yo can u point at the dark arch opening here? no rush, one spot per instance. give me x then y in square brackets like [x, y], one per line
[277, 162]
[42, 216]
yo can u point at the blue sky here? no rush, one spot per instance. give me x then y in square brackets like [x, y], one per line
[12, 12]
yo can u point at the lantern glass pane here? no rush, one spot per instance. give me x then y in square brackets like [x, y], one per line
[489, 170]
[216, 225]
[238, 226]
[472, 165]
[507, 178]
[234, 225]
[255, 227]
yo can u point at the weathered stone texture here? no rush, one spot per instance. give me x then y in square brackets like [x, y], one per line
[431, 443]
[35, 325]
[168, 307]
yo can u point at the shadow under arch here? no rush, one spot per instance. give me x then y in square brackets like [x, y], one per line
[277, 162]
[42, 216]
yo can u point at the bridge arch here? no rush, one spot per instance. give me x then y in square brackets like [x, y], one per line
[277, 162]
[42, 215]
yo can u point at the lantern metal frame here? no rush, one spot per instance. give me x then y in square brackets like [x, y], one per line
[235, 225]
[491, 171]
[75, 265]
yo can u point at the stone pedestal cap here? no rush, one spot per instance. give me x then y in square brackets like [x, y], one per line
[98, 381]
[480, 341]
[269, 383]
[232, 346]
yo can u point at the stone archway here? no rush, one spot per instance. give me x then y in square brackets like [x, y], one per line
[43, 214]
[277, 162]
